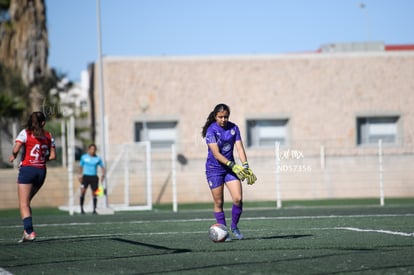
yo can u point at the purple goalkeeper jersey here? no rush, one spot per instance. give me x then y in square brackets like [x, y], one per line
[225, 138]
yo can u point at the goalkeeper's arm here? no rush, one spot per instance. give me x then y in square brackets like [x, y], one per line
[237, 169]
[246, 172]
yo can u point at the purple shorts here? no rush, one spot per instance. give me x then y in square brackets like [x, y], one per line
[31, 175]
[215, 180]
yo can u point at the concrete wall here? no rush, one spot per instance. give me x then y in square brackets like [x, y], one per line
[320, 94]
[355, 176]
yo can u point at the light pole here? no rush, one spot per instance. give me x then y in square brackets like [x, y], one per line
[102, 98]
[363, 7]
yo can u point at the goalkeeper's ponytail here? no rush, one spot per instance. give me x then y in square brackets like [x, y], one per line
[212, 117]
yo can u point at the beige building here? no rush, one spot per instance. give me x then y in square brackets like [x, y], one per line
[327, 109]
[311, 124]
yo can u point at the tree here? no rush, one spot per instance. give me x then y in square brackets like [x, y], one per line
[24, 45]
[12, 101]
[25, 79]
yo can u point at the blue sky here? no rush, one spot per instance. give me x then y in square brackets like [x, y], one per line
[216, 27]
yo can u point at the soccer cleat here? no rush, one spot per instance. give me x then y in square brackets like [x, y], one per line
[236, 232]
[228, 238]
[27, 237]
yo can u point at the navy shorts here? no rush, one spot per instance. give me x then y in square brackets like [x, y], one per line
[215, 180]
[31, 175]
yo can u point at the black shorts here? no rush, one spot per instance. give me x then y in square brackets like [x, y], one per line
[93, 181]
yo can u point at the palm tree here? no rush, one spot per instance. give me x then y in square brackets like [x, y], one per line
[12, 101]
[24, 45]
[25, 79]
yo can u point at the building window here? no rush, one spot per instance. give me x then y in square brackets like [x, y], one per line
[161, 134]
[372, 129]
[266, 132]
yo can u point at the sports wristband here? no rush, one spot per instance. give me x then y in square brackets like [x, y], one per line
[230, 163]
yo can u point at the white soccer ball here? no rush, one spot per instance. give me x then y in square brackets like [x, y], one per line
[218, 233]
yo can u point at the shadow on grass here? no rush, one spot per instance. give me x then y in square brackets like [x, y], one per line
[160, 247]
[80, 255]
[80, 239]
[280, 237]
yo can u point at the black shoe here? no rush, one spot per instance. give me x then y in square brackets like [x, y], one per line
[94, 212]
[82, 212]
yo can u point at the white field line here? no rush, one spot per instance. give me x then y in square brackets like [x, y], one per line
[5, 272]
[114, 235]
[377, 231]
[212, 219]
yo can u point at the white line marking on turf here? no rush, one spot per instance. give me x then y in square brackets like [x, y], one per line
[118, 235]
[330, 217]
[212, 219]
[111, 235]
[377, 231]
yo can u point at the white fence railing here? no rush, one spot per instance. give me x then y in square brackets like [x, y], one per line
[299, 171]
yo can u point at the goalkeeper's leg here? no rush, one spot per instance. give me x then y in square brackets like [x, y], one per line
[235, 189]
[217, 187]
[236, 212]
[218, 197]
[220, 218]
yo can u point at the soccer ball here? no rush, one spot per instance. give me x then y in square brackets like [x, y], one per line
[218, 233]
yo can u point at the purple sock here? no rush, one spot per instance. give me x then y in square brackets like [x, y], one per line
[220, 218]
[236, 212]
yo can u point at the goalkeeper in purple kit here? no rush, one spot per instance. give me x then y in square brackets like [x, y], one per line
[221, 137]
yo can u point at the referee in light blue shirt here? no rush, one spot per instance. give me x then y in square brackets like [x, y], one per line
[88, 172]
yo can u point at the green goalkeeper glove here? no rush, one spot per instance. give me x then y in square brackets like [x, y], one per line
[237, 169]
[248, 174]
